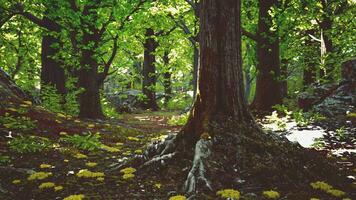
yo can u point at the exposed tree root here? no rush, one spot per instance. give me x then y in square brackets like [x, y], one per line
[235, 156]
[198, 171]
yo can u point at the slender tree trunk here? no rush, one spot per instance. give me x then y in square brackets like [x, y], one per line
[149, 71]
[310, 60]
[88, 76]
[167, 82]
[20, 57]
[326, 43]
[89, 99]
[52, 71]
[268, 56]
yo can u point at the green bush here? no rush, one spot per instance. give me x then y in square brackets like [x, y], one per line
[88, 141]
[29, 144]
[51, 99]
[179, 102]
[178, 120]
[4, 160]
[17, 123]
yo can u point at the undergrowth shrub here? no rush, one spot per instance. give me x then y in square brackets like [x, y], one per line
[88, 141]
[29, 144]
[21, 123]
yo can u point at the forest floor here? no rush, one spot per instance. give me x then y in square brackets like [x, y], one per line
[66, 165]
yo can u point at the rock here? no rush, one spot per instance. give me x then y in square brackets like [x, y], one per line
[332, 99]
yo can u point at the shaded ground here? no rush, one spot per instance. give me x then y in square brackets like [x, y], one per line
[120, 140]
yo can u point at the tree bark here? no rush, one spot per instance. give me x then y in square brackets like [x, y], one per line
[221, 90]
[268, 56]
[88, 76]
[52, 71]
[326, 42]
[149, 71]
[195, 68]
[311, 59]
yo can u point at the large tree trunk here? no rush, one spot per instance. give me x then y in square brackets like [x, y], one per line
[195, 69]
[268, 56]
[149, 71]
[221, 135]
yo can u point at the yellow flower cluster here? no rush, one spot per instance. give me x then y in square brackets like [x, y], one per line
[229, 193]
[128, 173]
[84, 173]
[39, 176]
[133, 139]
[75, 197]
[43, 166]
[110, 149]
[91, 164]
[271, 194]
[46, 185]
[178, 197]
[80, 156]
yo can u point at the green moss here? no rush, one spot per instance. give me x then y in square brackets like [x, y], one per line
[229, 193]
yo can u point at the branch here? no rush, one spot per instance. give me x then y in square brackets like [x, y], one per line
[314, 38]
[192, 4]
[127, 18]
[107, 65]
[162, 33]
[249, 34]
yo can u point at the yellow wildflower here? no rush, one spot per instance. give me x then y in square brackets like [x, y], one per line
[128, 170]
[229, 193]
[91, 164]
[178, 197]
[271, 194]
[46, 185]
[75, 197]
[58, 188]
[16, 181]
[39, 175]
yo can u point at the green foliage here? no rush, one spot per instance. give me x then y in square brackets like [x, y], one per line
[108, 109]
[17, 123]
[178, 120]
[51, 100]
[4, 160]
[180, 101]
[29, 144]
[340, 133]
[88, 141]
